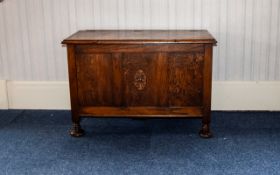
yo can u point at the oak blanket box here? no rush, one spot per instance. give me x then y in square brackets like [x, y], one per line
[140, 73]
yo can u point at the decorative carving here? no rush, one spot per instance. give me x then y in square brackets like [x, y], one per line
[140, 79]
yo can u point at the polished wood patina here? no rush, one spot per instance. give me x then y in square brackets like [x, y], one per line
[140, 73]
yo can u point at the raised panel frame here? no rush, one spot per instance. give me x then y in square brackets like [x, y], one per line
[122, 64]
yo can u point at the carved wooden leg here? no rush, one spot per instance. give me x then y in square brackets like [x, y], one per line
[205, 131]
[207, 86]
[76, 130]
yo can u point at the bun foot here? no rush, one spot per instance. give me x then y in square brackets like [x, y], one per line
[205, 132]
[76, 130]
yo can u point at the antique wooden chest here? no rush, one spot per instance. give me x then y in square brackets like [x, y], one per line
[140, 73]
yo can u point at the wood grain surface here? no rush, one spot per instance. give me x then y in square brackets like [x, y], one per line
[140, 74]
[140, 36]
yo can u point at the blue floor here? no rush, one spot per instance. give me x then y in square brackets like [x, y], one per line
[37, 142]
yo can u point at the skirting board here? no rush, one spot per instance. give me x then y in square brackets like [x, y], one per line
[3, 95]
[226, 95]
[38, 95]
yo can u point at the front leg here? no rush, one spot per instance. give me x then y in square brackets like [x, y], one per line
[205, 131]
[76, 130]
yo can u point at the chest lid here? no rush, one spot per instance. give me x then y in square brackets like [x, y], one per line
[140, 37]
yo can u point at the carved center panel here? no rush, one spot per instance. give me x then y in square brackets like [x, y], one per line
[140, 80]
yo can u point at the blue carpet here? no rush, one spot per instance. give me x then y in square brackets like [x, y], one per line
[37, 142]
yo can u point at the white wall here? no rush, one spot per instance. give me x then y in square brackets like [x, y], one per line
[246, 60]
[247, 32]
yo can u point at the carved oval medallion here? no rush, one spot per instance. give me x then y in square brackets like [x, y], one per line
[140, 80]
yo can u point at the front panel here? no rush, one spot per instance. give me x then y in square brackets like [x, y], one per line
[140, 79]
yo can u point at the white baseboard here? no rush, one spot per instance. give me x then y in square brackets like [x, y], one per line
[226, 95]
[38, 95]
[3, 95]
[242, 95]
